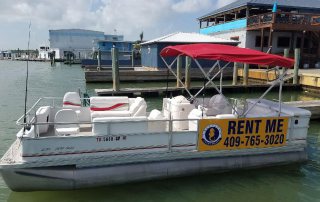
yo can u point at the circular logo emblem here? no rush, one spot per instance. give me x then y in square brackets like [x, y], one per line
[211, 135]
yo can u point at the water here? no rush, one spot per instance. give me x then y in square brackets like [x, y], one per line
[299, 182]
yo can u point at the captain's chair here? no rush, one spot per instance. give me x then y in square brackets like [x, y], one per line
[71, 100]
[66, 116]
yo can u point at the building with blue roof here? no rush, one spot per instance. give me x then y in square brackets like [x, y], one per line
[269, 25]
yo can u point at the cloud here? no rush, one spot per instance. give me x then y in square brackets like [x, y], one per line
[187, 6]
[221, 3]
[127, 17]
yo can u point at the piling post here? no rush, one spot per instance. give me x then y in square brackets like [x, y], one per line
[187, 72]
[245, 74]
[296, 65]
[179, 70]
[69, 58]
[132, 58]
[115, 69]
[99, 59]
[286, 55]
[235, 73]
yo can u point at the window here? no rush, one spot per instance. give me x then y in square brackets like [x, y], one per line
[298, 43]
[265, 41]
[283, 42]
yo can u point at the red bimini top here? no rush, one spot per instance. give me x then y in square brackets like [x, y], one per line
[227, 53]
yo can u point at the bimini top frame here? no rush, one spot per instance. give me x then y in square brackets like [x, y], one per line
[217, 52]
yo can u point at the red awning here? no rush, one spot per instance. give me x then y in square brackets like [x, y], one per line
[227, 53]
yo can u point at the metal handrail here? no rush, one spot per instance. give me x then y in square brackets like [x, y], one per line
[18, 122]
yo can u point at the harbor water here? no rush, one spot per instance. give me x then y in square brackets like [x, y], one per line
[289, 183]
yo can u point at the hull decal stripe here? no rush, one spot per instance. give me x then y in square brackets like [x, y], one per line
[96, 151]
[37, 175]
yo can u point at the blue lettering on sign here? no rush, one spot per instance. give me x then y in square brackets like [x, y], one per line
[274, 125]
[243, 127]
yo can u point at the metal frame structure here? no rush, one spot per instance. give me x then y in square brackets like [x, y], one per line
[278, 81]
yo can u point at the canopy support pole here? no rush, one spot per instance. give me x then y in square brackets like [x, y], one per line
[278, 81]
[170, 68]
[221, 76]
[284, 72]
[210, 81]
[205, 75]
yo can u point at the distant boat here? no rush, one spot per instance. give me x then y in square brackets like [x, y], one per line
[115, 140]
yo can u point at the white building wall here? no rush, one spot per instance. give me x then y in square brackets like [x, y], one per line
[248, 39]
[233, 33]
[44, 55]
[251, 40]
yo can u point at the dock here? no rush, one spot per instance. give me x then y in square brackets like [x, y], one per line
[309, 79]
[311, 105]
[143, 74]
[157, 91]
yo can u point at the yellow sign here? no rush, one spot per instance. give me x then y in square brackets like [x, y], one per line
[243, 133]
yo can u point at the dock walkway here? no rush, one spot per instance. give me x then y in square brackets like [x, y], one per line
[144, 74]
[156, 91]
[308, 78]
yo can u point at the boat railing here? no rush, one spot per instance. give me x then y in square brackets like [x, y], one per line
[56, 102]
[167, 129]
[44, 101]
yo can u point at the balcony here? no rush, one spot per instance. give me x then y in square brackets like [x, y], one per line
[284, 21]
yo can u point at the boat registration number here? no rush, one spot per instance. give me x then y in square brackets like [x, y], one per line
[243, 133]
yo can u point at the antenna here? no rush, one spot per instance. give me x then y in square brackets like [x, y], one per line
[27, 77]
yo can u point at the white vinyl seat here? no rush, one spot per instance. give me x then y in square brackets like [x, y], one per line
[71, 100]
[66, 116]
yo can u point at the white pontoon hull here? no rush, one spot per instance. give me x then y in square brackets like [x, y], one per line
[72, 177]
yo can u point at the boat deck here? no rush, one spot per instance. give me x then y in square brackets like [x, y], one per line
[85, 130]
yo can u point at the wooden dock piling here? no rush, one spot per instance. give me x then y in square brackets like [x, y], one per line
[235, 73]
[286, 55]
[115, 69]
[132, 58]
[99, 59]
[296, 65]
[245, 74]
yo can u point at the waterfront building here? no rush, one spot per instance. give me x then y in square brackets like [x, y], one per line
[78, 42]
[44, 53]
[150, 50]
[124, 48]
[269, 25]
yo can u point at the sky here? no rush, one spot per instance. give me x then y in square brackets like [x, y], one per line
[154, 18]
